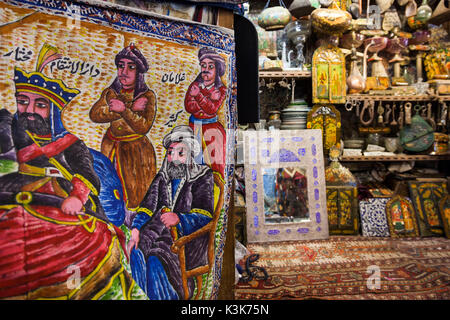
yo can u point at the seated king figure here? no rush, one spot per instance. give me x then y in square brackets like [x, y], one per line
[56, 241]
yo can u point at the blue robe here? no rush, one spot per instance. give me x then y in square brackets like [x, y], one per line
[154, 266]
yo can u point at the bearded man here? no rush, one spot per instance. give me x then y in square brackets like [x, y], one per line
[52, 223]
[179, 201]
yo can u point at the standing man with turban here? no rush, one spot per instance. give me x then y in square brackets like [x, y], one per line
[203, 99]
[130, 106]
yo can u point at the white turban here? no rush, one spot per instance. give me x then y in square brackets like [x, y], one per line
[182, 134]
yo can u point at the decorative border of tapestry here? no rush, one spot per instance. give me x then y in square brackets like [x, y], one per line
[285, 185]
[117, 150]
[373, 217]
[425, 197]
[401, 217]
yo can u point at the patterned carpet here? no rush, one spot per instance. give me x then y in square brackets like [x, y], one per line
[345, 267]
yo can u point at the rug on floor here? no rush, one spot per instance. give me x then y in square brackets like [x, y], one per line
[351, 268]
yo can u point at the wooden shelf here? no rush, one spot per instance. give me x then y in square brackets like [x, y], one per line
[399, 157]
[404, 98]
[285, 74]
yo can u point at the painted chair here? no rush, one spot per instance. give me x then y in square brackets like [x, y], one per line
[178, 246]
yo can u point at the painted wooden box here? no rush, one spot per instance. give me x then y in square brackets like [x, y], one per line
[444, 208]
[342, 206]
[116, 134]
[342, 197]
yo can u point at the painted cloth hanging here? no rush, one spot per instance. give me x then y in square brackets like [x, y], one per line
[114, 146]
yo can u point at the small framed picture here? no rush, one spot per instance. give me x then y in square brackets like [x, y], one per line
[401, 217]
[444, 208]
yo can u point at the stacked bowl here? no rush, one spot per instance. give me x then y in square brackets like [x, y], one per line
[294, 116]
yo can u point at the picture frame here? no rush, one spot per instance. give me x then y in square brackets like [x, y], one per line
[342, 205]
[401, 217]
[285, 185]
[328, 75]
[444, 208]
[425, 197]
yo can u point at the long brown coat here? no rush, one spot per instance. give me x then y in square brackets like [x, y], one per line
[126, 144]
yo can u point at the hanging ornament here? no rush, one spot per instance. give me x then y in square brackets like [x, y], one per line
[274, 18]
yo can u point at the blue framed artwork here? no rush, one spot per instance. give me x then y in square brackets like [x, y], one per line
[373, 217]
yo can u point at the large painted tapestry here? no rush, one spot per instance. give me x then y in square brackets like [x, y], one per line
[116, 148]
